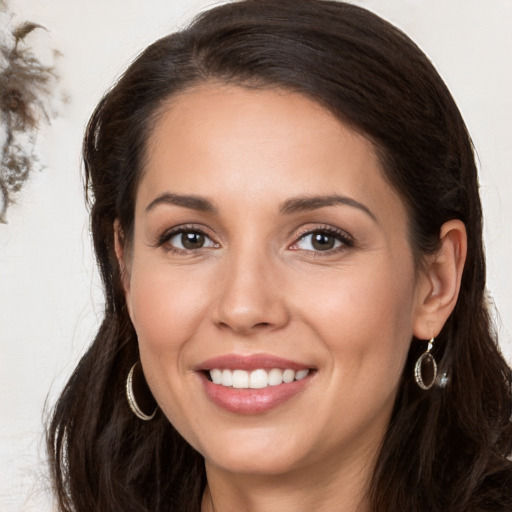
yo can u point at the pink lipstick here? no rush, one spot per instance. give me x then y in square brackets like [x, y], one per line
[252, 384]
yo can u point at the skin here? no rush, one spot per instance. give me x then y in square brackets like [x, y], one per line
[258, 285]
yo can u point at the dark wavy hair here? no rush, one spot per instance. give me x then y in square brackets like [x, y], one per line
[445, 449]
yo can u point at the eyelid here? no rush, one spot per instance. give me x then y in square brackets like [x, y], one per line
[341, 235]
[346, 239]
[168, 234]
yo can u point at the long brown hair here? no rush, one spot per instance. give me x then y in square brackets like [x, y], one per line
[445, 449]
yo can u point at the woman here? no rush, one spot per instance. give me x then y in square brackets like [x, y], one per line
[285, 210]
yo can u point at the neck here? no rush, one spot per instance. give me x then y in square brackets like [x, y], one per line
[331, 489]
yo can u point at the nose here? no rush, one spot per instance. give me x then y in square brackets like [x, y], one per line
[251, 297]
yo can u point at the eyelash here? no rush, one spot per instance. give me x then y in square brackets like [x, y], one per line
[346, 240]
[163, 240]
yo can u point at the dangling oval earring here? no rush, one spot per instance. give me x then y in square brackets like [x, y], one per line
[134, 406]
[426, 364]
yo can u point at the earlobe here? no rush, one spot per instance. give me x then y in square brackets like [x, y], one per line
[442, 278]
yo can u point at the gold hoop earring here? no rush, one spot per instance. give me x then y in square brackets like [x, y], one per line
[426, 364]
[130, 396]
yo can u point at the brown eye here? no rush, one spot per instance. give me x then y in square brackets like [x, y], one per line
[188, 240]
[322, 241]
[192, 240]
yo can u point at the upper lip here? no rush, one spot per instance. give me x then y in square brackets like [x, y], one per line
[250, 362]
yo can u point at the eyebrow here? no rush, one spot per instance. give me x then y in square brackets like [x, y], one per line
[290, 206]
[187, 201]
[306, 203]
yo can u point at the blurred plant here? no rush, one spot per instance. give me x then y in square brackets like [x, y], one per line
[26, 90]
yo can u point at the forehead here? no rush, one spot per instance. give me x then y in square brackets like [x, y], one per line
[238, 142]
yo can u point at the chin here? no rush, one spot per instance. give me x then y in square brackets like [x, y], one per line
[254, 464]
[254, 455]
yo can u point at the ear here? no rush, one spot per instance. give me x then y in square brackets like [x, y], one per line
[440, 283]
[121, 255]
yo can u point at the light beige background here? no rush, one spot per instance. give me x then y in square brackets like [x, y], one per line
[50, 299]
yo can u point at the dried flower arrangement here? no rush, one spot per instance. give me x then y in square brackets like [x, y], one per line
[26, 90]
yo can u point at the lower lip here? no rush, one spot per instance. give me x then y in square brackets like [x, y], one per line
[252, 401]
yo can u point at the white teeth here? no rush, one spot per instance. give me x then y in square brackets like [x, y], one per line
[257, 379]
[301, 374]
[227, 378]
[216, 376]
[275, 377]
[288, 376]
[240, 379]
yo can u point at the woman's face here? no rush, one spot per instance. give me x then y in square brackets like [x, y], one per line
[268, 247]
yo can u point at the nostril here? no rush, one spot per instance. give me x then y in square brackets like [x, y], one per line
[259, 325]
[262, 324]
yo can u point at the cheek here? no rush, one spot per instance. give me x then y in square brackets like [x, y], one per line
[364, 317]
[165, 306]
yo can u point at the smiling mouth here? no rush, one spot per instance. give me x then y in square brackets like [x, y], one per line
[256, 379]
[251, 384]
